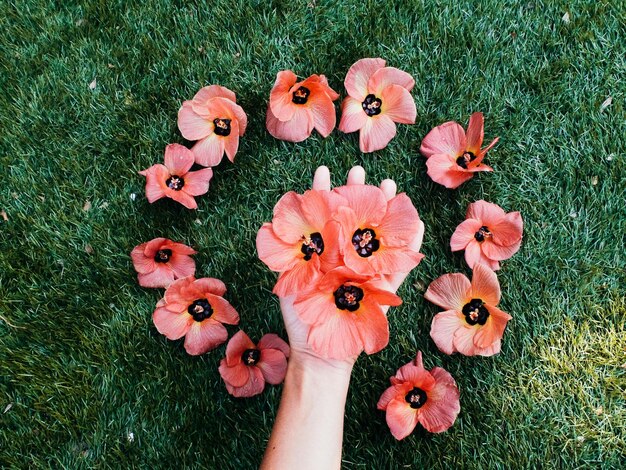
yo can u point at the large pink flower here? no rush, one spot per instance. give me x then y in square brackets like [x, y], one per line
[377, 232]
[174, 180]
[416, 395]
[195, 309]
[216, 121]
[247, 366]
[161, 261]
[378, 97]
[488, 234]
[296, 108]
[471, 324]
[454, 156]
[302, 241]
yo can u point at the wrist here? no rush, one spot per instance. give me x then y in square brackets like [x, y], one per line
[305, 367]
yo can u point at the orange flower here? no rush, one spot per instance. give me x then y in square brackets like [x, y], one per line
[161, 261]
[488, 234]
[454, 156]
[296, 108]
[377, 232]
[216, 121]
[302, 241]
[344, 311]
[195, 309]
[471, 324]
[378, 97]
[174, 180]
[247, 366]
[416, 395]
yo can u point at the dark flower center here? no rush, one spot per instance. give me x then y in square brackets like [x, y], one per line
[483, 232]
[251, 356]
[312, 244]
[416, 398]
[348, 298]
[371, 105]
[222, 127]
[464, 159]
[301, 95]
[364, 242]
[175, 182]
[475, 312]
[163, 256]
[200, 309]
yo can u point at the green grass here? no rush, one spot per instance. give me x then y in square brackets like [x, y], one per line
[81, 364]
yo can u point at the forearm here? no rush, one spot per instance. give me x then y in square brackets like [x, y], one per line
[308, 431]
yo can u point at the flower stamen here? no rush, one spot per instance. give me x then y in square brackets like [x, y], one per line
[372, 105]
[314, 243]
[251, 356]
[475, 312]
[200, 309]
[348, 298]
[483, 232]
[301, 95]
[364, 242]
[222, 126]
[416, 398]
[175, 182]
[163, 256]
[465, 158]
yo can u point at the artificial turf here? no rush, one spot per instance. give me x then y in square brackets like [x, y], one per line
[86, 380]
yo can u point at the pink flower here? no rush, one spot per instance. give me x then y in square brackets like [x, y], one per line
[174, 180]
[454, 156]
[345, 314]
[160, 261]
[416, 395]
[296, 108]
[216, 121]
[378, 98]
[195, 309]
[488, 234]
[471, 324]
[247, 367]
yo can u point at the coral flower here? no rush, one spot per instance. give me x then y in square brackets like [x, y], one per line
[471, 324]
[174, 180]
[297, 107]
[378, 98]
[247, 366]
[376, 232]
[488, 234]
[345, 314]
[416, 395]
[454, 156]
[161, 261]
[216, 121]
[195, 309]
[302, 240]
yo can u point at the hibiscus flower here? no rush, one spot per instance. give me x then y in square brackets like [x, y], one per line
[416, 395]
[454, 156]
[195, 309]
[471, 324]
[488, 234]
[296, 108]
[378, 97]
[247, 366]
[161, 261]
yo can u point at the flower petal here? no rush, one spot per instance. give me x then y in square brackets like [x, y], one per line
[191, 125]
[373, 327]
[475, 133]
[178, 159]
[276, 254]
[464, 234]
[323, 111]
[488, 213]
[353, 117]
[236, 376]
[464, 340]
[273, 341]
[388, 395]
[448, 138]
[183, 198]
[223, 311]
[377, 133]
[273, 365]
[389, 76]
[204, 336]
[358, 77]
[509, 230]
[443, 327]
[367, 203]
[197, 182]
[253, 387]
[209, 151]
[493, 330]
[336, 338]
[474, 254]
[156, 176]
[442, 169]
[401, 418]
[281, 104]
[231, 142]
[485, 284]
[182, 265]
[401, 222]
[213, 91]
[499, 253]
[236, 347]
[449, 291]
[398, 104]
[172, 325]
[297, 129]
[443, 406]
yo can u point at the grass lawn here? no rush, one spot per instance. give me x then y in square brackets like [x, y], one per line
[81, 363]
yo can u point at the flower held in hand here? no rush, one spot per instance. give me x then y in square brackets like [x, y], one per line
[247, 366]
[416, 395]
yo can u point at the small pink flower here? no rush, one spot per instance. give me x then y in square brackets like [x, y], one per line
[296, 108]
[488, 234]
[161, 261]
[454, 156]
[416, 395]
[174, 180]
[379, 97]
[471, 324]
[216, 121]
[195, 309]
[247, 366]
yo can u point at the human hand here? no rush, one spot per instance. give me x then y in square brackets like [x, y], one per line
[297, 330]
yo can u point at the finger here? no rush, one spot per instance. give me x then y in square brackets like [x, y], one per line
[321, 180]
[389, 188]
[356, 175]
